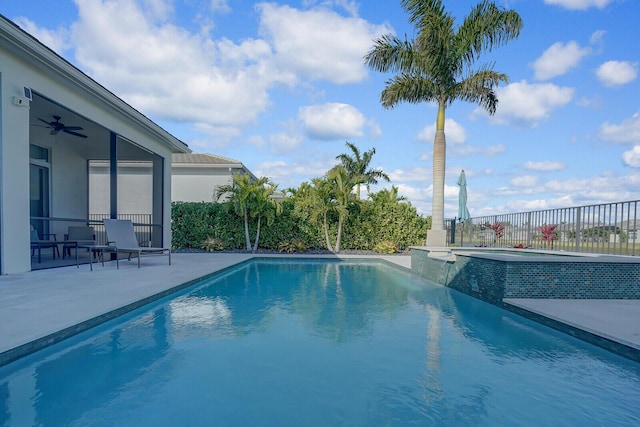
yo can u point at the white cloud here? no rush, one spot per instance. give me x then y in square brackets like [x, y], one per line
[579, 4]
[56, 40]
[168, 72]
[535, 205]
[627, 132]
[158, 10]
[558, 59]
[606, 187]
[617, 73]
[419, 197]
[318, 43]
[632, 157]
[456, 136]
[279, 171]
[450, 191]
[492, 150]
[589, 190]
[283, 142]
[410, 175]
[597, 36]
[595, 102]
[527, 104]
[332, 121]
[256, 140]
[180, 76]
[544, 166]
[374, 129]
[219, 6]
[292, 174]
[217, 136]
[525, 181]
[454, 132]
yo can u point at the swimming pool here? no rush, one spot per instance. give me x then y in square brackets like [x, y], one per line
[320, 343]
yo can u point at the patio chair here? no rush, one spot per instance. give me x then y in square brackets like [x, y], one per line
[38, 244]
[78, 237]
[122, 237]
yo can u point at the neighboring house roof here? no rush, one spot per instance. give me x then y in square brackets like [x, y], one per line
[15, 39]
[205, 160]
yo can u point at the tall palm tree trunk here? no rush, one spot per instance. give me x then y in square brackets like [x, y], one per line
[439, 154]
[438, 235]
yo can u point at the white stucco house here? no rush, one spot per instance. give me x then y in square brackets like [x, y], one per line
[54, 121]
[194, 178]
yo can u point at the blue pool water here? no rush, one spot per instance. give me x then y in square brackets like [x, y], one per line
[320, 344]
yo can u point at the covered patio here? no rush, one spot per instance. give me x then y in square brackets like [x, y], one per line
[57, 124]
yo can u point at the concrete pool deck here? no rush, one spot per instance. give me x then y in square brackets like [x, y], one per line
[35, 305]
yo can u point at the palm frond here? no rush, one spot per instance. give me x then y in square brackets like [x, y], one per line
[486, 27]
[479, 88]
[390, 54]
[409, 88]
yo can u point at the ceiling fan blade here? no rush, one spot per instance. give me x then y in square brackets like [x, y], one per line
[73, 127]
[44, 121]
[70, 132]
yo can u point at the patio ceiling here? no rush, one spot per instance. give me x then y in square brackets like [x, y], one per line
[44, 109]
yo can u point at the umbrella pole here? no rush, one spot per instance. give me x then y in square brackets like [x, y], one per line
[462, 235]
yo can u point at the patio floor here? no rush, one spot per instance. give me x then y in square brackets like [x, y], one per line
[36, 305]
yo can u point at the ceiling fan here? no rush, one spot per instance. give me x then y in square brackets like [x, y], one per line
[56, 127]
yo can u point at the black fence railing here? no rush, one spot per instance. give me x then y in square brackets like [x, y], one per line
[610, 228]
[55, 231]
[57, 227]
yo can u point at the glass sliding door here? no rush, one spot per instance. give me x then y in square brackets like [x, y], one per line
[39, 188]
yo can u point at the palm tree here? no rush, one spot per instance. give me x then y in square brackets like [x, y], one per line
[388, 196]
[251, 198]
[312, 202]
[263, 205]
[320, 204]
[331, 193]
[239, 195]
[357, 167]
[341, 185]
[438, 66]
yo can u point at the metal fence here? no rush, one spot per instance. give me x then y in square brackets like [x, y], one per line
[610, 228]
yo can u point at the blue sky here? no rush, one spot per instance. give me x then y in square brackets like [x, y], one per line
[282, 85]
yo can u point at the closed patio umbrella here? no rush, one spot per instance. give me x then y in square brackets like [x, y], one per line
[463, 212]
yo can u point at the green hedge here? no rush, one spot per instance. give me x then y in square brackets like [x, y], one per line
[396, 222]
[192, 223]
[368, 224]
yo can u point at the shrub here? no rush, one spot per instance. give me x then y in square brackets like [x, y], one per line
[292, 245]
[386, 247]
[193, 222]
[212, 244]
[369, 222]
